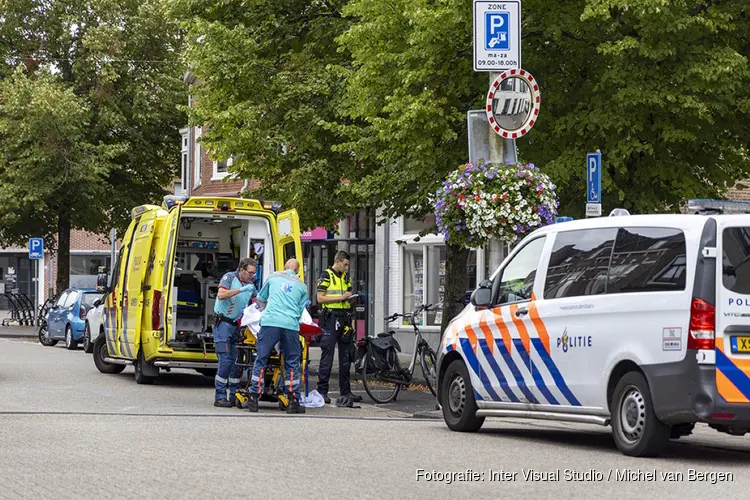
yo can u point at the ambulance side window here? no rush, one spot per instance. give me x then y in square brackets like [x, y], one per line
[290, 251]
[515, 283]
[116, 271]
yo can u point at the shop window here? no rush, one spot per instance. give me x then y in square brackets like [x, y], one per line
[424, 279]
[414, 266]
[87, 265]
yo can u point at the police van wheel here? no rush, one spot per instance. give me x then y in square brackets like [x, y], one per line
[100, 353]
[636, 429]
[457, 399]
[140, 378]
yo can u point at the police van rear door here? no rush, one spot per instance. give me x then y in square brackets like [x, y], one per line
[732, 323]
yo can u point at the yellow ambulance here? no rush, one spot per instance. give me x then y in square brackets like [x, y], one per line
[159, 303]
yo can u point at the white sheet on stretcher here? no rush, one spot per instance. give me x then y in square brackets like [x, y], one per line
[251, 319]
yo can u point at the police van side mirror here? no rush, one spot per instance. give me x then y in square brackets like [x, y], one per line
[482, 296]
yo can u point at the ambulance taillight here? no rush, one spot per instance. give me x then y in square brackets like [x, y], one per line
[702, 325]
[156, 311]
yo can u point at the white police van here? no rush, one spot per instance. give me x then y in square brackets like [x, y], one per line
[641, 322]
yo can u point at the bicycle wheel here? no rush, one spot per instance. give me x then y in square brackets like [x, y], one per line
[379, 391]
[428, 360]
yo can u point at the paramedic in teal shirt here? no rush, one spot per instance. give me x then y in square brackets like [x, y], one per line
[283, 298]
[236, 290]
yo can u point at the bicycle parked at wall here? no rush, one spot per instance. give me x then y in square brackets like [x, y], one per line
[377, 361]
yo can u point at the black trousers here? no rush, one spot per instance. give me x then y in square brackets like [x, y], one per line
[334, 327]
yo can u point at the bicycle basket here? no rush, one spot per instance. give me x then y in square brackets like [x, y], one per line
[384, 355]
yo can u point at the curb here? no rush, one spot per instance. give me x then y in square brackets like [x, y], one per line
[17, 336]
[431, 414]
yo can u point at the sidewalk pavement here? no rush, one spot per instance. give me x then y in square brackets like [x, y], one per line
[18, 332]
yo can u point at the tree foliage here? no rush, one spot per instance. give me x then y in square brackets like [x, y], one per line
[89, 115]
[659, 86]
[266, 88]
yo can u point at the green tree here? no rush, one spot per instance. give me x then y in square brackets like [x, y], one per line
[266, 89]
[89, 96]
[408, 90]
[660, 86]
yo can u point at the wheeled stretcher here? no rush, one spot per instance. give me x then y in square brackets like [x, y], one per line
[273, 390]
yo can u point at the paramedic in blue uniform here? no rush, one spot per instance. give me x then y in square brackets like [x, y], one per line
[283, 298]
[236, 290]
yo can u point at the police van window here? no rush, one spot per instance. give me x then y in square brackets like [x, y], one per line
[647, 259]
[516, 281]
[579, 263]
[736, 259]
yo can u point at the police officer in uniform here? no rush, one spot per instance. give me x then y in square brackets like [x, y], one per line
[236, 290]
[334, 296]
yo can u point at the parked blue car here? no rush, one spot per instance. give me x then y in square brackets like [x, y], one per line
[66, 319]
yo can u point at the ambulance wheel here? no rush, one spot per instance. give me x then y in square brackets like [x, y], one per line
[457, 399]
[100, 354]
[140, 378]
[636, 429]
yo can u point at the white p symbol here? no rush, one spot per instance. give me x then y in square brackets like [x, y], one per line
[592, 167]
[496, 22]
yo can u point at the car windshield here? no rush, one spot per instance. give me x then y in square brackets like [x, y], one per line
[89, 299]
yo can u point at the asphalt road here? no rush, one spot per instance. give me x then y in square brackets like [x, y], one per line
[67, 431]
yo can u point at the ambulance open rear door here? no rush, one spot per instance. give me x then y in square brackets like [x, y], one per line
[290, 240]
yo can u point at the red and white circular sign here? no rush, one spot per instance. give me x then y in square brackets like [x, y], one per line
[513, 103]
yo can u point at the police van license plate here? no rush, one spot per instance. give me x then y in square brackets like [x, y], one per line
[740, 345]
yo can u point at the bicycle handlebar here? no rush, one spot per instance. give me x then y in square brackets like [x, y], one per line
[422, 308]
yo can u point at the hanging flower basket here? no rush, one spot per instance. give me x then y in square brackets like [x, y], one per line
[478, 202]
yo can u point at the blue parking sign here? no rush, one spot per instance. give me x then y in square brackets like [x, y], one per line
[497, 30]
[594, 177]
[36, 248]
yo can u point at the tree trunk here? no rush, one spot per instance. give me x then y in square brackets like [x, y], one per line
[63, 251]
[456, 281]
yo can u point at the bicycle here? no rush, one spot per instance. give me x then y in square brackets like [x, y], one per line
[382, 375]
